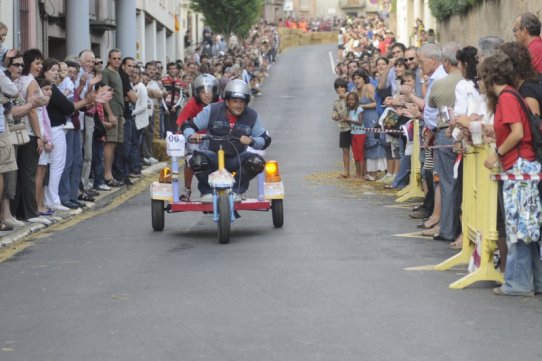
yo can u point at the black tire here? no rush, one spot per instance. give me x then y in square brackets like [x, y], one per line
[278, 213]
[157, 213]
[224, 217]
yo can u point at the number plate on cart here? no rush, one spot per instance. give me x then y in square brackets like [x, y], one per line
[162, 191]
[274, 190]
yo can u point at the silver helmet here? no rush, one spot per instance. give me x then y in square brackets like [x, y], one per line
[205, 82]
[237, 89]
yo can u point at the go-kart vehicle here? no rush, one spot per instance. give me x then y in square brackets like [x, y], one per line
[165, 195]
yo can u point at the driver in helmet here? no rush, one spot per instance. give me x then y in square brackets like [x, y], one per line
[235, 118]
[205, 92]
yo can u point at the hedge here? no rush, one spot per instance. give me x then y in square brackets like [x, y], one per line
[443, 9]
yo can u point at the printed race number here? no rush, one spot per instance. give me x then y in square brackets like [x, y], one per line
[175, 144]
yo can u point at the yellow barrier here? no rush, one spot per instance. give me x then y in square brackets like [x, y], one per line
[414, 187]
[479, 219]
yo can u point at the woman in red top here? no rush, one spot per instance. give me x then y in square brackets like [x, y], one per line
[521, 200]
[205, 92]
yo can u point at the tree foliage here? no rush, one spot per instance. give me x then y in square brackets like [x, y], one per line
[229, 16]
[443, 9]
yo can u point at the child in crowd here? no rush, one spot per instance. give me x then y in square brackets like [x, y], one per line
[341, 116]
[355, 118]
[46, 135]
[5, 53]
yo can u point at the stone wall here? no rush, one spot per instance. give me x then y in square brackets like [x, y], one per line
[290, 38]
[492, 17]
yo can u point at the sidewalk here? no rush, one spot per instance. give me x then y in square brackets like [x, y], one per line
[104, 199]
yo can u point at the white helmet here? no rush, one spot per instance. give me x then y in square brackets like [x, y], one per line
[205, 82]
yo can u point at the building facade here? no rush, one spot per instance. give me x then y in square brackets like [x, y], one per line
[407, 13]
[326, 9]
[144, 29]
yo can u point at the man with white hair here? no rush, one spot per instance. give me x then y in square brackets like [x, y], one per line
[527, 32]
[442, 97]
[86, 82]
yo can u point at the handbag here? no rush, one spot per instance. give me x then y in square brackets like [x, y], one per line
[19, 134]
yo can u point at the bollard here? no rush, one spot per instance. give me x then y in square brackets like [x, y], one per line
[414, 187]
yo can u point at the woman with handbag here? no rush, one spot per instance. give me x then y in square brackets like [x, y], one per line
[7, 153]
[21, 190]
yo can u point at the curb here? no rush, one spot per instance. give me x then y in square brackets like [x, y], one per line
[104, 199]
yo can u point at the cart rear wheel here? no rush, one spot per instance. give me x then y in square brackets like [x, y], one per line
[224, 217]
[157, 213]
[278, 213]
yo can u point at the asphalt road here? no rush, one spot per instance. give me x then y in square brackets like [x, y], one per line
[330, 285]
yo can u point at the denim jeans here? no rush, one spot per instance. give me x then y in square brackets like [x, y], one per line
[402, 178]
[69, 182]
[523, 269]
[98, 162]
[233, 164]
[162, 119]
[134, 155]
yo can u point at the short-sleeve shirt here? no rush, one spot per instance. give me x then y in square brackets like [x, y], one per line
[535, 49]
[112, 79]
[509, 111]
[531, 89]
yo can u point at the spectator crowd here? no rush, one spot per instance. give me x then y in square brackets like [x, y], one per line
[485, 94]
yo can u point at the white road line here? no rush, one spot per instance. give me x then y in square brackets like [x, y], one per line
[332, 62]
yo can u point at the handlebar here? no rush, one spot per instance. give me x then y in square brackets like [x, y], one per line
[207, 136]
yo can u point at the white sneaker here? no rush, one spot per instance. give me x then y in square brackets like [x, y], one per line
[389, 180]
[153, 160]
[206, 198]
[102, 187]
[238, 197]
[58, 207]
[13, 222]
[369, 178]
[147, 161]
[39, 219]
[384, 178]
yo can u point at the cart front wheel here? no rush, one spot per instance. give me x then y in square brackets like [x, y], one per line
[157, 213]
[224, 217]
[278, 213]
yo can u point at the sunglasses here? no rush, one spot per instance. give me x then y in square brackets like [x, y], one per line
[20, 65]
[116, 58]
[98, 63]
[410, 59]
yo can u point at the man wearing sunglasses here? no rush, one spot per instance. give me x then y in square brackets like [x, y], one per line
[411, 60]
[114, 110]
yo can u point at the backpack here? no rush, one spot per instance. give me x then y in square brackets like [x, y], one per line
[535, 124]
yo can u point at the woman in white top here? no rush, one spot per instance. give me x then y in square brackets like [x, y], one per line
[24, 204]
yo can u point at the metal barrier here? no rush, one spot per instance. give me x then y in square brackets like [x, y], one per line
[479, 220]
[414, 187]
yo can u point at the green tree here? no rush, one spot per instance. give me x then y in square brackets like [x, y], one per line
[229, 16]
[443, 9]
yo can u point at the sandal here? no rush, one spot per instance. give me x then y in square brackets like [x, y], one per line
[456, 244]
[5, 228]
[85, 197]
[185, 197]
[424, 225]
[113, 183]
[48, 212]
